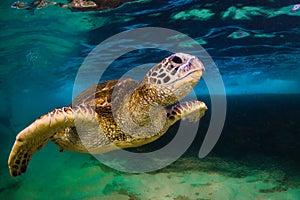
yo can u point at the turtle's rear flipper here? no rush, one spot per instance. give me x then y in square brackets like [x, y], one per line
[36, 135]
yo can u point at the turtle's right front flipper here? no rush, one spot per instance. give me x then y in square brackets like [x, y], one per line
[190, 110]
[36, 135]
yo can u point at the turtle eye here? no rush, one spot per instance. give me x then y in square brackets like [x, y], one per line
[176, 60]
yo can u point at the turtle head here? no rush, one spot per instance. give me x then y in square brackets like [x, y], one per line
[173, 78]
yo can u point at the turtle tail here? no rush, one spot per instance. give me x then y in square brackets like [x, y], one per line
[35, 136]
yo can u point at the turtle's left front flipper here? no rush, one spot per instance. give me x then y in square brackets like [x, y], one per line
[35, 136]
[191, 110]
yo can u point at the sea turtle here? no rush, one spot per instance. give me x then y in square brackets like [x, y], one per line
[116, 114]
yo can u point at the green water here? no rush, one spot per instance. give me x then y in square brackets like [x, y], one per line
[77, 176]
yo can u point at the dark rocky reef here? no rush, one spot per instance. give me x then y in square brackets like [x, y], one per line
[95, 5]
[74, 5]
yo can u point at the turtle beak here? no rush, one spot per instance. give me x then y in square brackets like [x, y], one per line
[190, 74]
[193, 68]
[196, 64]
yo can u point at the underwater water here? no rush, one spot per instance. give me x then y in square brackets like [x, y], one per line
[254, 44]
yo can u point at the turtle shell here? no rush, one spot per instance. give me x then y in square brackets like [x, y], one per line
[100, 95]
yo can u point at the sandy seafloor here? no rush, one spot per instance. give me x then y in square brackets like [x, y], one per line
[256, 48]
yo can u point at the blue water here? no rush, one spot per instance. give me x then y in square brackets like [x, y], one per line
[254, 44]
